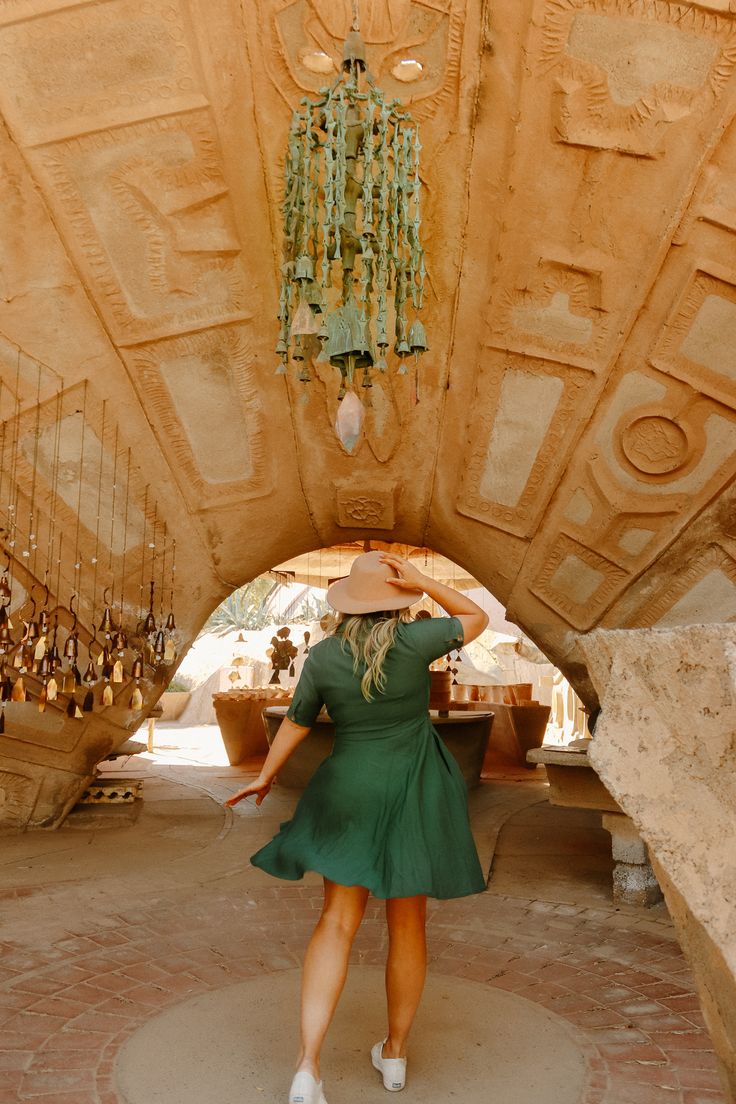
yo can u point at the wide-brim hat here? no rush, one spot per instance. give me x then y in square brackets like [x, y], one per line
[365, 589]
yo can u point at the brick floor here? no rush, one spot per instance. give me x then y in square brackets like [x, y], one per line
[626, 991]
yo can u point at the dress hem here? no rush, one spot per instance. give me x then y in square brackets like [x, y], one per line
[373, 893]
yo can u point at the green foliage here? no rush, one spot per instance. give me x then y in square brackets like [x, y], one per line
[254, 606]
[179, 684]
[311, 610]
[246, 608]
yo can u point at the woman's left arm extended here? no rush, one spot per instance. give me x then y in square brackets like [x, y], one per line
[288, 737]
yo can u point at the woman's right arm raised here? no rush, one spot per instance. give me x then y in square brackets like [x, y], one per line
[408, 577]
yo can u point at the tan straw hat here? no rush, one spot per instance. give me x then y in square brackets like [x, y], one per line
[365, 589]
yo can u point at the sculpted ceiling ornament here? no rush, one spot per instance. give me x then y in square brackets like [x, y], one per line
[310, 34]
[627, 70]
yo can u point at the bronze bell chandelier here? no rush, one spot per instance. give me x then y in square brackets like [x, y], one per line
[353, 265]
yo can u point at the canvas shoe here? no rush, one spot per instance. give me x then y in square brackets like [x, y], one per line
[305, 1090]
[393, 1070]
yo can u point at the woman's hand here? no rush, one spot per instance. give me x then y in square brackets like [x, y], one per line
[260, 788]
[408, 577]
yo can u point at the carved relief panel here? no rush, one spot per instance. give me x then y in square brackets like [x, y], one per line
[627, 71]
[93, 66]
[525, 415]
[147, 214]
[306, 39]
[698, 343]
[657, 454]
[202, 394]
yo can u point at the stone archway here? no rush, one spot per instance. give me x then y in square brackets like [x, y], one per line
[574, 441]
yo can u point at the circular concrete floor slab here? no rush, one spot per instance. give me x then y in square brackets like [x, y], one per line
[471, 1043]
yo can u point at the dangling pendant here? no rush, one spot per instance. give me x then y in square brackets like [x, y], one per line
[117, 671]
[136, 699]
[107, 698]
[18, 693]
[51, 690]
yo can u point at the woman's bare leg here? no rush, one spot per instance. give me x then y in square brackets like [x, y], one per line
[326, 967]
[406, 968]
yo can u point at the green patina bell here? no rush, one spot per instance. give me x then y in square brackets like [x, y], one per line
[346, 346]
[417, 337]
[304, 268]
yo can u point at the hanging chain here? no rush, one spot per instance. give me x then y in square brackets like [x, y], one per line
[356, 16]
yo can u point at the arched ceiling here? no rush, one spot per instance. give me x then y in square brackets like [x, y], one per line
[573, 446]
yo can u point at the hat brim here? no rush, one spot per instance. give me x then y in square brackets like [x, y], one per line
[383, 597]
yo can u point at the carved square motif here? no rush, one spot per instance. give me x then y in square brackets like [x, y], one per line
[556, 311]
[365, 507]
[705, 584]
[79, 69]
[524, 415]
[146, 212]
[698, 343]
[576, 582]
[202, 396]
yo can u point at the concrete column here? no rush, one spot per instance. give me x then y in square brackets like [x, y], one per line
[664, 748]
[634, 881]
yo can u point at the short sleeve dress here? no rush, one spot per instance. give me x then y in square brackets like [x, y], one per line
[387, 809]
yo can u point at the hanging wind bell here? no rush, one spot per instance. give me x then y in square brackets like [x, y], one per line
[353, 264]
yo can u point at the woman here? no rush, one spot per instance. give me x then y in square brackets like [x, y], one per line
[386, 812]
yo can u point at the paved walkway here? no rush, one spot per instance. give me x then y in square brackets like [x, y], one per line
[125, 913]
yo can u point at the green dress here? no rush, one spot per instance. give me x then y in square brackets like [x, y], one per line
[387, 809]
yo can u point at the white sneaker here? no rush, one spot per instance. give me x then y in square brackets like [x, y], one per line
[305, 1090]
[393, 1070]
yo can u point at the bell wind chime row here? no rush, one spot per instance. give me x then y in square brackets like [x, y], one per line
[46, 658]
[353, 266]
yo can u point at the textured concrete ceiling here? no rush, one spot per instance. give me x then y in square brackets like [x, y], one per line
[573, 446]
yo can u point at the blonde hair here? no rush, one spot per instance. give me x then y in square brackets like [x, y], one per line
[370, 637]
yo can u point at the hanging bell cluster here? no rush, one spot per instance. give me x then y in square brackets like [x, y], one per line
[353, 266]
